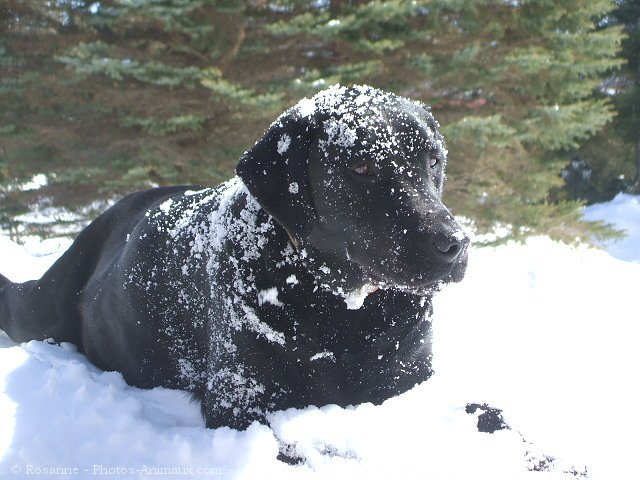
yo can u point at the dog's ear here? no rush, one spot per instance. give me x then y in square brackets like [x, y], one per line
[275, 172]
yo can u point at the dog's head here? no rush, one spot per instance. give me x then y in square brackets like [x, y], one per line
[355, 176]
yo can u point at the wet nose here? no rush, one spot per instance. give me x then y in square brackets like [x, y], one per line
[449, 245]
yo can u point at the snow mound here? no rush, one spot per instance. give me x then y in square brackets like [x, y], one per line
[547, 332]
[624, 213]
[19, 265]
[59, 411]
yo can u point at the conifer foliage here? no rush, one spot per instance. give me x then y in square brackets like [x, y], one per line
[111, 96]
[627, 15]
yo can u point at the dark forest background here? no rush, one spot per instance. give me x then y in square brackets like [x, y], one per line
[101, 98]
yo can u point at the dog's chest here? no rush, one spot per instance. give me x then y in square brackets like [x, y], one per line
[272, 331]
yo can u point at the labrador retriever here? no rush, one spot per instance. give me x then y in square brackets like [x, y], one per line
[307, 279]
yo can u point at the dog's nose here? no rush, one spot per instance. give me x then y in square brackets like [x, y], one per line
[449, 245]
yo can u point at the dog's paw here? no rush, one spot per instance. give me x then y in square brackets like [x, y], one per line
[289, 454]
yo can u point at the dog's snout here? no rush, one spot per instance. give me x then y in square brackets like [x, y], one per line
[444, 238]
[450, 245]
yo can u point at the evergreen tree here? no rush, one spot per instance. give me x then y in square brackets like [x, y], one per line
[109, 97]
[627, 14]
[614, 152]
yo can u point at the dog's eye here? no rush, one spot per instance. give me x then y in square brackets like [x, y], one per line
[433, 161]
[362, 169]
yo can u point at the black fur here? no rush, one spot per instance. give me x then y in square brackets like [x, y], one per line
[246, 295]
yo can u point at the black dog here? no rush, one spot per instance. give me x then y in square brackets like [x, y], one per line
[307, 280]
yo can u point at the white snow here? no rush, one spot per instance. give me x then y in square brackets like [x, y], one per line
[544, 331]
[36, 182]
[624, 213]
[283, 143]
[166, 206]
[321, 355]
[355, 299]
[59, 221]
[340, 133]
[306, 107]
[254, 323]
[269, 295]
[22, 263]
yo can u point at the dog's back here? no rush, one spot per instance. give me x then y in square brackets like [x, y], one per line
[47, 308]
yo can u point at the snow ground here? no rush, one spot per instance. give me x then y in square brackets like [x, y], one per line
[623, 212]
[543, 330]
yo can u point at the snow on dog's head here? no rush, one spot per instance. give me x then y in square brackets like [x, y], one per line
[368, 169]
